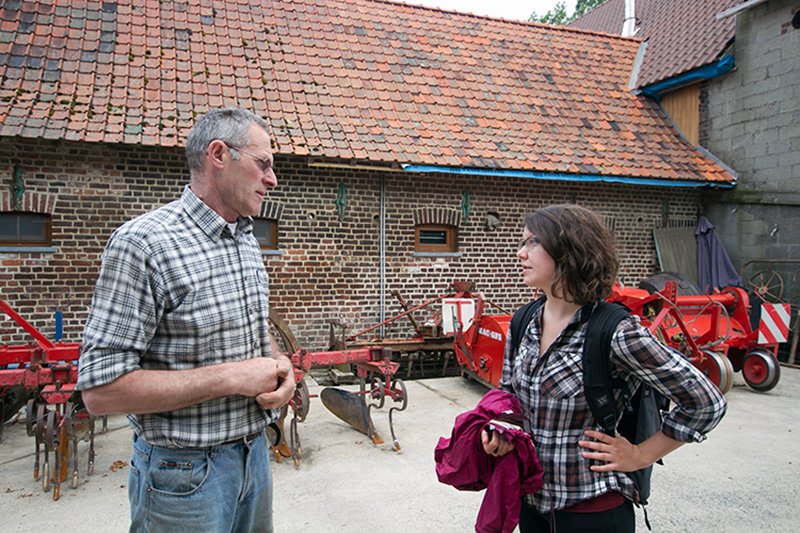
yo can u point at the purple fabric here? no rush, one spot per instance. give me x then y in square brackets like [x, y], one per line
[462, 463]
[714, 268]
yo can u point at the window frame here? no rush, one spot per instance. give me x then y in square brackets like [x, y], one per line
[48, 230]
[274, 222]
[451, 238]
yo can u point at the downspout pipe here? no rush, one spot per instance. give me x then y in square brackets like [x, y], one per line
[382, 246]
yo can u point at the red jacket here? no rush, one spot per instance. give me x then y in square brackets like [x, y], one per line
[462, 462]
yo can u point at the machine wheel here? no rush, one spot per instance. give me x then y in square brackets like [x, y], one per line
[767, 284]
[302, 400]
[377, 391]
[761, 370]
[726, 363]
[656, 283]
[400, 394]
[719, 370]
[30, 417]
[282, 333]
[12, 401]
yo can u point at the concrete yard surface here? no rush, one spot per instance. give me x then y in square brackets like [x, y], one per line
[744, 478]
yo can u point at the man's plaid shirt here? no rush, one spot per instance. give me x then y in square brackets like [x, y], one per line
[177, 291]
[550, 389]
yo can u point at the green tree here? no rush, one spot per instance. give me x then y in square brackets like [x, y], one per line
[584, 6]
[558, 15]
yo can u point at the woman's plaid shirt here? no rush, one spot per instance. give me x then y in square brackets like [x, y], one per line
[177, 291]
[550, 389]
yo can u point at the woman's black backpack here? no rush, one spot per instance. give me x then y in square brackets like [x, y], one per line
[642, 416]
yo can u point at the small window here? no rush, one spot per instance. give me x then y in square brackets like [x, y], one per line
[24, 229]
[266, 231]
[435, 238]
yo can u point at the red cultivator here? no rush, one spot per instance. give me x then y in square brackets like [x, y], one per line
[713, 331]
[42, 376]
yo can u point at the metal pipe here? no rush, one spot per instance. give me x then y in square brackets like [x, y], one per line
[41, 340]
[629, 25]
[726, 299]
[382, 246]
[395, 317]
[793, 345]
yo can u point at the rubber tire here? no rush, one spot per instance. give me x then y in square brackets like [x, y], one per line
[657, 282]
[14, 399]
[773, 370]
[725, 370]
[717, 368]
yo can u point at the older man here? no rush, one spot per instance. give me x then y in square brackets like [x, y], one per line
[178, 338]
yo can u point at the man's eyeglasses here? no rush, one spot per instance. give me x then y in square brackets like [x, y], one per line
[263, 164]
[529, 244]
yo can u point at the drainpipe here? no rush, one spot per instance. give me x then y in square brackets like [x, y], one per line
[629, 26]
[382, 246]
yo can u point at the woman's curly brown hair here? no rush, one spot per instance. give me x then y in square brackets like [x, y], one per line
[582, 248]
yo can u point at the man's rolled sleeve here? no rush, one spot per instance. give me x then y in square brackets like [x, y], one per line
[123, 316]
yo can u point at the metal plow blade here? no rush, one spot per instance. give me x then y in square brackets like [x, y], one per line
[352, 409]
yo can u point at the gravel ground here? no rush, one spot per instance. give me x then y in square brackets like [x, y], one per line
[744, 478]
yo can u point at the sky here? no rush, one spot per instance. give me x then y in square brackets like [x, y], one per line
[508, 9]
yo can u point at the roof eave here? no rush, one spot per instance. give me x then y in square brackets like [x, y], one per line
[707, 72]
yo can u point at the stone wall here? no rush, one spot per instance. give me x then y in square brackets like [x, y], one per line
[327, 268]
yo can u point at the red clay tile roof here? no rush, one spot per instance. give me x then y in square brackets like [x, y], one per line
[361, 80]
[681, 35]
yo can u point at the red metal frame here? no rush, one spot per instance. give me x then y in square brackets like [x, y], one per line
[700, 327]
[50, 369]
[48, 372]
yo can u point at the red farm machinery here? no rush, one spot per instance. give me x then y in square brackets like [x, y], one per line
[41, 377]
[720, 333]
[376, 361]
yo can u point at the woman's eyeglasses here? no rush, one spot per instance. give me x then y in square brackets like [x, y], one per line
[529, 244]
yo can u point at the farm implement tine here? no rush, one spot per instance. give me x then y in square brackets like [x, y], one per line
[280, 448]
[399, 394]
[299, 404]
[351, 409]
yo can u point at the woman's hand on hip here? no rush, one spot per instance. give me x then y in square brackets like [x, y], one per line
[616, 452]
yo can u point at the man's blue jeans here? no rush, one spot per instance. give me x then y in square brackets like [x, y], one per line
[226, 488]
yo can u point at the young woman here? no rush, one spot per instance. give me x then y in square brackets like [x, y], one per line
[568, 253]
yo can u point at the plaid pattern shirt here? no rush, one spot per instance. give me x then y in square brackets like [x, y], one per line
[177, 290]
[550, 389]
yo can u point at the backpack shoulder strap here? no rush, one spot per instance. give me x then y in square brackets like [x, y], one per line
[597, 382]
[520, 321]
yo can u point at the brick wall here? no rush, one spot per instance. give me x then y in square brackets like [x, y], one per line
[328, 268]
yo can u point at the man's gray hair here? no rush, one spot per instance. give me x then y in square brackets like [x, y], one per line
[230, 125]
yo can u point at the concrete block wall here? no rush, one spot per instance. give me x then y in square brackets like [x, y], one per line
[326, 268]
[752, 125]
[754, 111]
